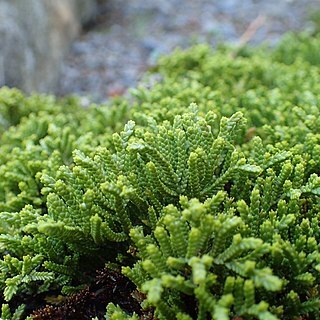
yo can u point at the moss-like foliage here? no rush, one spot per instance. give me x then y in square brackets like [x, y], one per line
[204, 189]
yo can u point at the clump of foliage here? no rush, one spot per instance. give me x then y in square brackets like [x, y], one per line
[203, 190]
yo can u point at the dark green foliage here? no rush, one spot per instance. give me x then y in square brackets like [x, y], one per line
[307, 51]
[204, 188]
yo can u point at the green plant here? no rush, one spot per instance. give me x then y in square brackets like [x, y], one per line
[209, 194]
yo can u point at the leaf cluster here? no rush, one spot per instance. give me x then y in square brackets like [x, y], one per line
[204, 188]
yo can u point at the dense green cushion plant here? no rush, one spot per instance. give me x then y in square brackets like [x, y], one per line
[204, 188]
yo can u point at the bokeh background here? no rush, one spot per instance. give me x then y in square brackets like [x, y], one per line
[99, 48]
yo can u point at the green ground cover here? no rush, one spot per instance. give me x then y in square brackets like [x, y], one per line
[199, 195]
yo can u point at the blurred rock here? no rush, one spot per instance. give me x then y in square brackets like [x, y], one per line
[34, 37]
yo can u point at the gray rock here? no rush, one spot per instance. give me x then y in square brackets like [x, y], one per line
[34, 36]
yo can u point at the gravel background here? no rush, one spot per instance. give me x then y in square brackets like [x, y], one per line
[127, 37]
